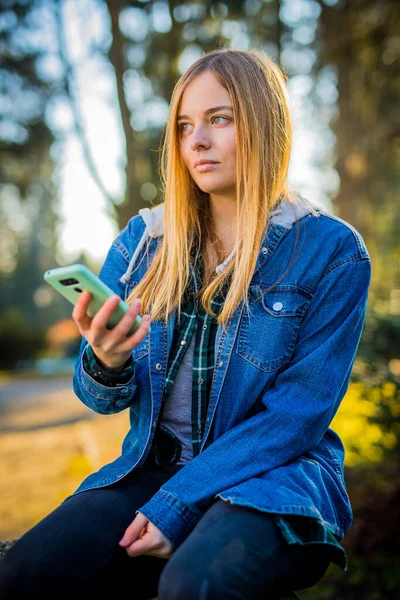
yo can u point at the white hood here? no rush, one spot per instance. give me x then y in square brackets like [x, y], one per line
[286, 214]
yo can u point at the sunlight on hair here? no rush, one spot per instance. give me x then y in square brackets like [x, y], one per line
[263, 148]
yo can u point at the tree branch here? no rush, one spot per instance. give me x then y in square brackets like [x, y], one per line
[78, 125]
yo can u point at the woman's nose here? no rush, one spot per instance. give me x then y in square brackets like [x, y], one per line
[199, 139]
[195, 146]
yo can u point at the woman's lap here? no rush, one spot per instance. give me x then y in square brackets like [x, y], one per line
[236, 552]
[77, 544]
[232, 553]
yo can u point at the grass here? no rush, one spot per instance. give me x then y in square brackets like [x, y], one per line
[40, 468]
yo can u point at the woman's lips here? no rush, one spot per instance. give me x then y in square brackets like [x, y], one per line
[206, 167]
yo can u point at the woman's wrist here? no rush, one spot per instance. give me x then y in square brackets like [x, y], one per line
[97, 369]
[115, 369]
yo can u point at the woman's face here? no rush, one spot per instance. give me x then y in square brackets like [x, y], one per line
[207, 133]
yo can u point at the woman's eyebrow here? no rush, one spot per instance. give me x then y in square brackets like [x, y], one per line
[209, 111]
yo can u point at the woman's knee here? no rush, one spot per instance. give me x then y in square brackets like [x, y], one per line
[20, 572]
[8, 578]
[178, 584]
[199, 578]
[311, 565]
[48, 559]
[188, 576]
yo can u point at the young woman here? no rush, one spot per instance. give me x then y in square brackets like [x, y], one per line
[230, 481]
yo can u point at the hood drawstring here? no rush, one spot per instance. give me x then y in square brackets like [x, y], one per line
[154, 220]
[222, 266]
[285, 215]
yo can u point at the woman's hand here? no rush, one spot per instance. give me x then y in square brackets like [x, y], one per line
[111, 346]
[142, 537]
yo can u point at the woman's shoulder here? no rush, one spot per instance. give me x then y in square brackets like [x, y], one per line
[149, 222]
[128, 238]
[331, 232]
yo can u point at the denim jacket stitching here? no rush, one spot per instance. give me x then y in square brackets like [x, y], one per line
[334, 459]
[103, 396]
[189, 515]
[345, 261]
[210, 418]
[356, 235]
[119, 246]
[272, 364]
[95, 388]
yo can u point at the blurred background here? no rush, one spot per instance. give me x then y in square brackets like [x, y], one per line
[84, 94]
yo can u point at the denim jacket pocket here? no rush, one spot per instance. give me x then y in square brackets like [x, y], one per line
[268, 333]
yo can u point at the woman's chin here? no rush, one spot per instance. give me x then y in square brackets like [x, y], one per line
[214, 189]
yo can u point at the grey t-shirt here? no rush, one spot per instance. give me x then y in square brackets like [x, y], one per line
[176, 413]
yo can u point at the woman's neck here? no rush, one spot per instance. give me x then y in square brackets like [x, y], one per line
[220, 229]
[223, 211]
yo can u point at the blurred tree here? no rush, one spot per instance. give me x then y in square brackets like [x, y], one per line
[149, 45]
[20, 338]
[359, 50]
[28, 198]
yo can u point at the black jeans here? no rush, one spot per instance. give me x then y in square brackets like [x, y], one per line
[232, 553]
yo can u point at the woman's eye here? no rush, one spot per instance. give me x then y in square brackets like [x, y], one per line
[215, 119]
[184, 127]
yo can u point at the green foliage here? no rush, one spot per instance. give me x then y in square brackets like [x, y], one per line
[372, 543]
[19, 338]
[379, 343]
[368, 422]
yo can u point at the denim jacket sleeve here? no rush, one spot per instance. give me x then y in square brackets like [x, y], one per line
[101, 398]
[295, 411]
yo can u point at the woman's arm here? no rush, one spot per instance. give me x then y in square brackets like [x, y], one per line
[297, 408]
[105, 397]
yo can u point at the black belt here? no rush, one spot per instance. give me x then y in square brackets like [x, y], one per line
[165, 450]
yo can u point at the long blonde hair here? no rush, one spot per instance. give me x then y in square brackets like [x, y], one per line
[257, 89]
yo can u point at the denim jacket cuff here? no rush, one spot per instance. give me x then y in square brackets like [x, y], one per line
[115, 398]
[172, 517]
[92, 367]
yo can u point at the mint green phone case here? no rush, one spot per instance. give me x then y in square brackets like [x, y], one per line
[70, 281]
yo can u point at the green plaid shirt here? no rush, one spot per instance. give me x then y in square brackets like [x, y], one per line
[195, 321]
[296, 530]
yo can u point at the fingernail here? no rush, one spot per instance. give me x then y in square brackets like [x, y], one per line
[123, 542]
[146, 318]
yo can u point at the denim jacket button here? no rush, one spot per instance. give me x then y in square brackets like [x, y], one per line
[277, 306]
[264, 250]
[220, 363]
[158, 367]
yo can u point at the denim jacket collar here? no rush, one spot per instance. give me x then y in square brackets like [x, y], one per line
[284, 216]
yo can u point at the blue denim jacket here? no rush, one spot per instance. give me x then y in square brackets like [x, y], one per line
[280, 374]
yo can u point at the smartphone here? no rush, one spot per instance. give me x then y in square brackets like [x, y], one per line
[72, 280]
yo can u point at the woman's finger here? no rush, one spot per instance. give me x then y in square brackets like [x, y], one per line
[143, 545]
[79, 313]
[138, 336]
[122, 328]
[102, 317]
[132, 532]
[142, 537]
